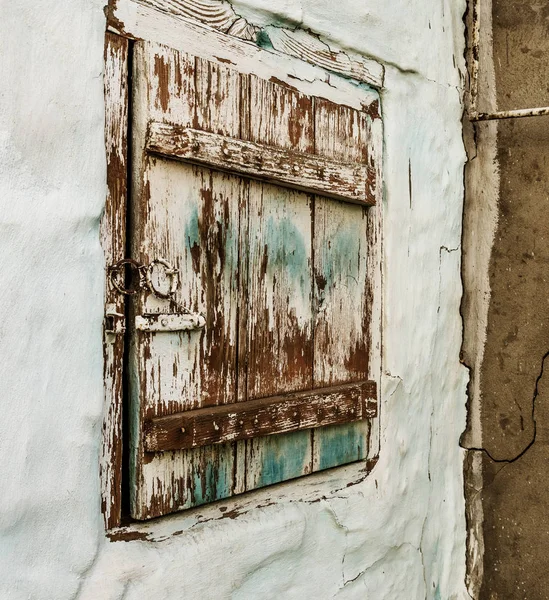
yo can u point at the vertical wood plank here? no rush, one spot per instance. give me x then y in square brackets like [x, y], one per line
[343, 292]
[189, 216]
[113, 242]
[279, 316]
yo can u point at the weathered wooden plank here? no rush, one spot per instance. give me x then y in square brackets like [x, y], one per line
[343, 292]
[113, 242]
[214, 13]
[263, 416]
[140, 22]
[190, 216]
[305, 46]
[279, 320]
[300, 170]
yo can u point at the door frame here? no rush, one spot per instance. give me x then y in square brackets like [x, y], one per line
[328, 74]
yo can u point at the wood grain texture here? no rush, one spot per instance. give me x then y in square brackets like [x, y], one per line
[263, 416]
[288, 282]
[304, 45]
[343, 292]
[279, 319]
[298, 170]
[214, 13]
[113, 242]
[140, 22]
[189, 216]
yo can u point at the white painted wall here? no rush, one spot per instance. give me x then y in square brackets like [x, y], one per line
[399, 535]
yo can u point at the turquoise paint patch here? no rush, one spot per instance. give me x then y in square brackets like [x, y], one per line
[340, 444]
[192, 232]
[212, 480]
[283, 457]
[341, 255]
[287, 251]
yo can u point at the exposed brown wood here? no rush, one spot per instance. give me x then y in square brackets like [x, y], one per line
[113, 241]
[279, 315]
[190, 216]
[251, 257]
[263, 416]
[221, 16]
[140, 22]
[299, 170]
[343, 293]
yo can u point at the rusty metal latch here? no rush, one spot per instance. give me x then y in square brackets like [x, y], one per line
[144, 277]
[170, 322]
[115, 322]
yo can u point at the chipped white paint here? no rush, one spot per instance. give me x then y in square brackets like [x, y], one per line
[397, 535]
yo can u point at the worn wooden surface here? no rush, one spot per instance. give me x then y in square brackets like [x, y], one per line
[214, 13]
[263, 416]
[286, 167]
[304, 45]
[113, 242]
[141, 22]
[252, 257]
[190, 216]
[343, 292]
[222, 17]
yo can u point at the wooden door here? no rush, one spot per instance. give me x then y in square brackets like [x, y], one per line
[253, 199]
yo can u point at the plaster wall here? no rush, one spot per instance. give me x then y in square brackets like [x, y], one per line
[400, 534]
[505, 279]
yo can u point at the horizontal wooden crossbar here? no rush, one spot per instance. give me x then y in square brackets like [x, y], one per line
[300, 170]
[264, 416]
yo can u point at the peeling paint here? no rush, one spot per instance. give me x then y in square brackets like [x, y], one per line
[398, 533]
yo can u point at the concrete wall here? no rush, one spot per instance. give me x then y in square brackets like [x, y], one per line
[400, 534]
[506, 308]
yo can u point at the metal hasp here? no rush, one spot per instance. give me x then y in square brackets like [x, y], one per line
[474, 115]
[115, 322]
[170, 322]
[143, 277]
[294, 411]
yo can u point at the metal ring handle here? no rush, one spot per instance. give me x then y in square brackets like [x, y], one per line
[115, 269]
[171, 272]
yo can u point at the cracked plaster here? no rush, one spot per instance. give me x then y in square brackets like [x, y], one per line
[398, 534]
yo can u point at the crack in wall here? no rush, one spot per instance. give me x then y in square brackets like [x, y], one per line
[534, 424]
